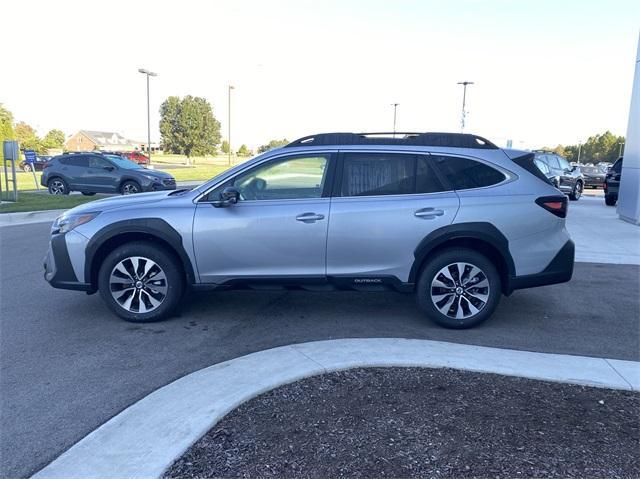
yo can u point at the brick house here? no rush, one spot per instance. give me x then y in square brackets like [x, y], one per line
[88, 140]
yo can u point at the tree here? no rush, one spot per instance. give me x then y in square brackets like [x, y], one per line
[6, 128]
[28, 138]
[244, 151]
[273, 144]
[188, 126]
[225, 147]
[597, 148]
[53, 139]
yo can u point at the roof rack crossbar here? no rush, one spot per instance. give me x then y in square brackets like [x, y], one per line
[454, 140]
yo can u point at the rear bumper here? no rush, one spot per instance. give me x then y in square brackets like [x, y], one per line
[58, 271]
[559, 270]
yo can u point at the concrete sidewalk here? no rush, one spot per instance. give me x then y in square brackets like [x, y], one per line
[144, 439]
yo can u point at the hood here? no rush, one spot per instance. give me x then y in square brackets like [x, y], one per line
[161, 175]
[119, 201]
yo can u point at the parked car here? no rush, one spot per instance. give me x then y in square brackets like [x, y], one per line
[39, 165]
[450, 217]
[94, 172]
[612, 183]
[593, 176]
[136, 156]
[570, 180]
[544, 168]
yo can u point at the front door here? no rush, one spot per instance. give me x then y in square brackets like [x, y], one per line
[101, 176]
[278, 228]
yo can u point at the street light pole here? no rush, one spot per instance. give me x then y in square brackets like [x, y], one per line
[148, 74]
[395, 108]
[579, 148]
[464, 102]
[231, 87]
[620, 145]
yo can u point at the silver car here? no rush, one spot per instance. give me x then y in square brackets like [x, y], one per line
[449, 217]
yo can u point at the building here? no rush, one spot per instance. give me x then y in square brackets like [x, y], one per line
[88, 140]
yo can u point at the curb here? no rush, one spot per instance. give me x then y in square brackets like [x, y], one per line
[28, 217]
[147, 437]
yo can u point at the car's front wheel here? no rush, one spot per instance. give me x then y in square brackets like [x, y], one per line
[130, 188]
[26, 168]
[88, 193]
[459, 288]
[577, 191]
[141, 282]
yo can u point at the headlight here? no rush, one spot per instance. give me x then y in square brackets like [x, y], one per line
[151, 177]
[65, 223]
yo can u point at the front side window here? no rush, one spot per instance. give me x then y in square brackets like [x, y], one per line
[464, 174]
[553, 162]
[371, 174]
[286, 178]
[122, 162]
[564, 164]
[542, 166]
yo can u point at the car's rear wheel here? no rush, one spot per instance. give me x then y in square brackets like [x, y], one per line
[88, 193]
[459, 288]
[130, 188]
[577, 191]
[57, 186]
[610, 200]
[141, 282]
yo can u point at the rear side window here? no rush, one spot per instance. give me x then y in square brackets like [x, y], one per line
[464, 174]
[76, 160]
[371, 174]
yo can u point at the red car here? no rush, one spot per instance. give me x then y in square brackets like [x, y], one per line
[137, 157]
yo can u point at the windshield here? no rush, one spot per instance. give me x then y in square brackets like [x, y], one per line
[121, 162]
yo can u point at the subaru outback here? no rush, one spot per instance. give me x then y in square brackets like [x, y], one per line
[451, 218]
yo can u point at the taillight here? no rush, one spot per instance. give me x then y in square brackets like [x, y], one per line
[554, 204]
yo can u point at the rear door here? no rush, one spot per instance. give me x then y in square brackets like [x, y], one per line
[383, 205]
[75, 168]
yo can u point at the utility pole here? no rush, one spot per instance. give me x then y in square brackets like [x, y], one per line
[149, 74]
[620, 145]
[231, 87]
[464, 102]
[395, 108]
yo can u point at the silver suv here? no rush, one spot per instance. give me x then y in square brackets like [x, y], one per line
[449, 217]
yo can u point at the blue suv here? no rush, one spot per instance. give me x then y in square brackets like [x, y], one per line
[94, 172]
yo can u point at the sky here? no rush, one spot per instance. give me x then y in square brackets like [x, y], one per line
[545, 72]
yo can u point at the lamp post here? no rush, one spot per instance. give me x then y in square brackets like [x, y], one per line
[395, 108]
[620, 145]
[231, 87]
[464, 102]
[579, 149]
[148, 73]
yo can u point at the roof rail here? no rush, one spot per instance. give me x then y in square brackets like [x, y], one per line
[453, 140]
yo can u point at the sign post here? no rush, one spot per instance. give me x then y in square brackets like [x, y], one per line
[30, 159]
[11, 151]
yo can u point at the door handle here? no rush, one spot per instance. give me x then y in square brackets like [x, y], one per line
[309, 217]
[428, 213]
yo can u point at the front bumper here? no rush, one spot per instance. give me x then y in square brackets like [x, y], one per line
[559, 270]
[58, 270]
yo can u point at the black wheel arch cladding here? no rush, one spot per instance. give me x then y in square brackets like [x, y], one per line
[149, 228]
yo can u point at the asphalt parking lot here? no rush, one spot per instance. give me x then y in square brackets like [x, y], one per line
[68, 365]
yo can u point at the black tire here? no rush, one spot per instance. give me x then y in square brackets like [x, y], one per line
[610, 200]
[433, 268]
[57, 186]
[88, 193]
[174, 285]
[130, 187]
[577, 191]
[26, 168]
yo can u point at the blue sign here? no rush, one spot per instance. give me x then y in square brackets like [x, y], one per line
[29, 156]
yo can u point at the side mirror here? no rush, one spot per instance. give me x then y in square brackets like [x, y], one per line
[229, 196]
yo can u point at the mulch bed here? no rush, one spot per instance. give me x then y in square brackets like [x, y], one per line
[428, 423]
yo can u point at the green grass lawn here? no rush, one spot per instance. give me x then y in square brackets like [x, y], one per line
[32, 201]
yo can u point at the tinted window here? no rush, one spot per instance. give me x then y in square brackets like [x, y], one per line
[564, 164]
[76, 160]
[464, 174]
[552, 161]
[426, 179]
[370, 174]
[542, 166]
[97, 162]
[287, 178]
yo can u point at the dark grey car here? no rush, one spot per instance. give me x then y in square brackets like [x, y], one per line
[93, 173]
[565, 177]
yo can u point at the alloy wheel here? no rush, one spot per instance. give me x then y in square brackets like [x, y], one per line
[460, 290]
[138, 284]
[129, 189]
[56, 187]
